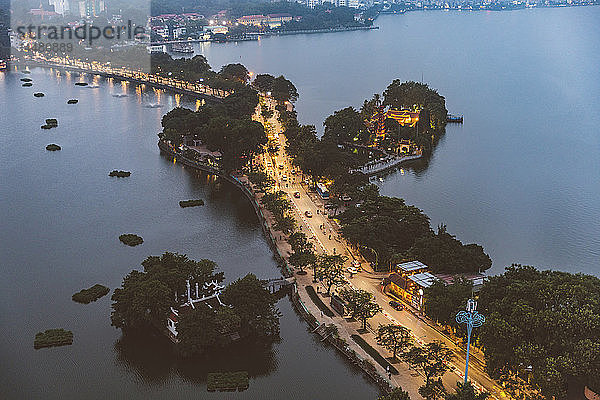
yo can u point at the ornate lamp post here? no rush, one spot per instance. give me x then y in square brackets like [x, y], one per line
[473, 320]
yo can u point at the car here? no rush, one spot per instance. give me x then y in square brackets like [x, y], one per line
[294, 172]
[297, 195]
[329, 206]
[396, 306]
[356, 265]
[346, 198]
[308, 214]
[280, 166]
[284, 178]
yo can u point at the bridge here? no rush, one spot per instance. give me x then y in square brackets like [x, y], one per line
[194, 89]
[276, 285]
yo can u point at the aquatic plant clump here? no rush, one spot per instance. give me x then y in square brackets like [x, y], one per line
[227, 381]
[191, 203]
[39, 94]
[119, 174]
[53, 147]
[86, 296]
[73, 101]
[53, 337]
[131, 239]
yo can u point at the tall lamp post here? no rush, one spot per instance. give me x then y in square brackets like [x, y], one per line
[473, 320]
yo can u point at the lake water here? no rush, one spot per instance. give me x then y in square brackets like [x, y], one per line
[521, 176]
[61, 217]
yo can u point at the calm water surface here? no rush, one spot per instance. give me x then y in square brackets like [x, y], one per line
[522, 175]
[61, 217]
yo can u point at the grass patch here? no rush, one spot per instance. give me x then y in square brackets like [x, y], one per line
[81, 83]
[318, 302]
[72, 101]
[52, 337]
[191, 203]
[86, 296]
[374, 353]
[39, 94]
[119, 174]
[227, 381]
[53, 147]
[131, 239]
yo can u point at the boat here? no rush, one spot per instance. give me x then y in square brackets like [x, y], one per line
[3, 65]
[182, 48]
[454, 118]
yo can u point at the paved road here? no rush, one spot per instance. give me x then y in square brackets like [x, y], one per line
[323, 234]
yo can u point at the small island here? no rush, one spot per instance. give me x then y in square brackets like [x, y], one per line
[131, 239]
[27, 84]
[26, 79]
[73, 101]
[50, 123]
[119, 174]
[86, 296]
[39, 94]
[53, 147]
[191, 203]
[52, 338]
[227, 381]
[81, 83]
[184, 300]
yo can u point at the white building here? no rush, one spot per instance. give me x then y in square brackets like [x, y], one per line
[60, 6]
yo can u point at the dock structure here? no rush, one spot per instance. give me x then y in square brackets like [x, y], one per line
[383, 164]
[194, 89]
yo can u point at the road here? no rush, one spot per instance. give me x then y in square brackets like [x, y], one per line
[322, 233]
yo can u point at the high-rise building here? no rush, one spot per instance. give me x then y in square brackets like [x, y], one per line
[60, 6]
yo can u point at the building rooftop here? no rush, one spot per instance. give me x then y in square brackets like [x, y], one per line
[423, 279]
[411, 266]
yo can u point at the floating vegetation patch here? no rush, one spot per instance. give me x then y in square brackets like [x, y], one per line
[27, 84]
[86, 296]
[81, 83]
[227, 381]
[52, 121]
[39, 94]
[53, 147]
[53, 337]
[119, 174]
[191, 203]
[120, 95]
[73, 101]
[131, 239]
[26, 79]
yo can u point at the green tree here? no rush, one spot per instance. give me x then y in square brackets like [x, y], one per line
[254, 305]
[395, 338]
[431, 359]
[442, 301]
[283, 90]
[396, 394]
[263, 82]
[235, 71]
[433, 390]
[361, 304]
[344, 126]
[416, 95]
[466, 391]
[330, 270]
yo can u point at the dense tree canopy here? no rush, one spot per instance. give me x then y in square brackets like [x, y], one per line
[548, 320]
[235, 71]
[361, 304]
[345, 125]
[263, 82]
[415, 95]
[443, 302]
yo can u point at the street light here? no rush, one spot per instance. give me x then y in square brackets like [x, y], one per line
[473, 320]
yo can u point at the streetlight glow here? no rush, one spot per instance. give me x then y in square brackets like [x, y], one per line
[473, 320]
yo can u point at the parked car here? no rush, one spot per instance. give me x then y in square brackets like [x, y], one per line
[308, 214]
[396, 306]
[356, 265]
[297, 195]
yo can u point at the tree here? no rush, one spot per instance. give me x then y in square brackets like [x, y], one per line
[560, 339]
[283, 90]
[433, 390]
[416, 95]
[395, 338]
[361, 304]
[466, 391]
[430, 359]
[396, 394]
[303, 254]
[235, 71]
[442, 301]
[330, 270]
[344, 126]
[263, 82]
[254, 305]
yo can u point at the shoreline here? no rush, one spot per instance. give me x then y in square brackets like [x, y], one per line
[369, 367]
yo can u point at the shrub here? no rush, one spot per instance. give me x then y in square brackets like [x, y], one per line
[374, 353]
[52, 337]
[131, 239]
[191, 203]
[227, 381]
[318, 302]
[86, 296]
[119, 174]
[53, 147]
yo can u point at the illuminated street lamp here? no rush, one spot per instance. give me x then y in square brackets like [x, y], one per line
[473, 320]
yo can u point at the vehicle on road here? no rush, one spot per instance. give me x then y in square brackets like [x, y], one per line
[284, 178]
[308, 214]
[396, 306]
[280, 166]
[356, 265]
[322, 191]
[346, 198]
[297, 195]
[352, 271]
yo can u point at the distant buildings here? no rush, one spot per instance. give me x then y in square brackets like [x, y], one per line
[270, 20]
[336, 3]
